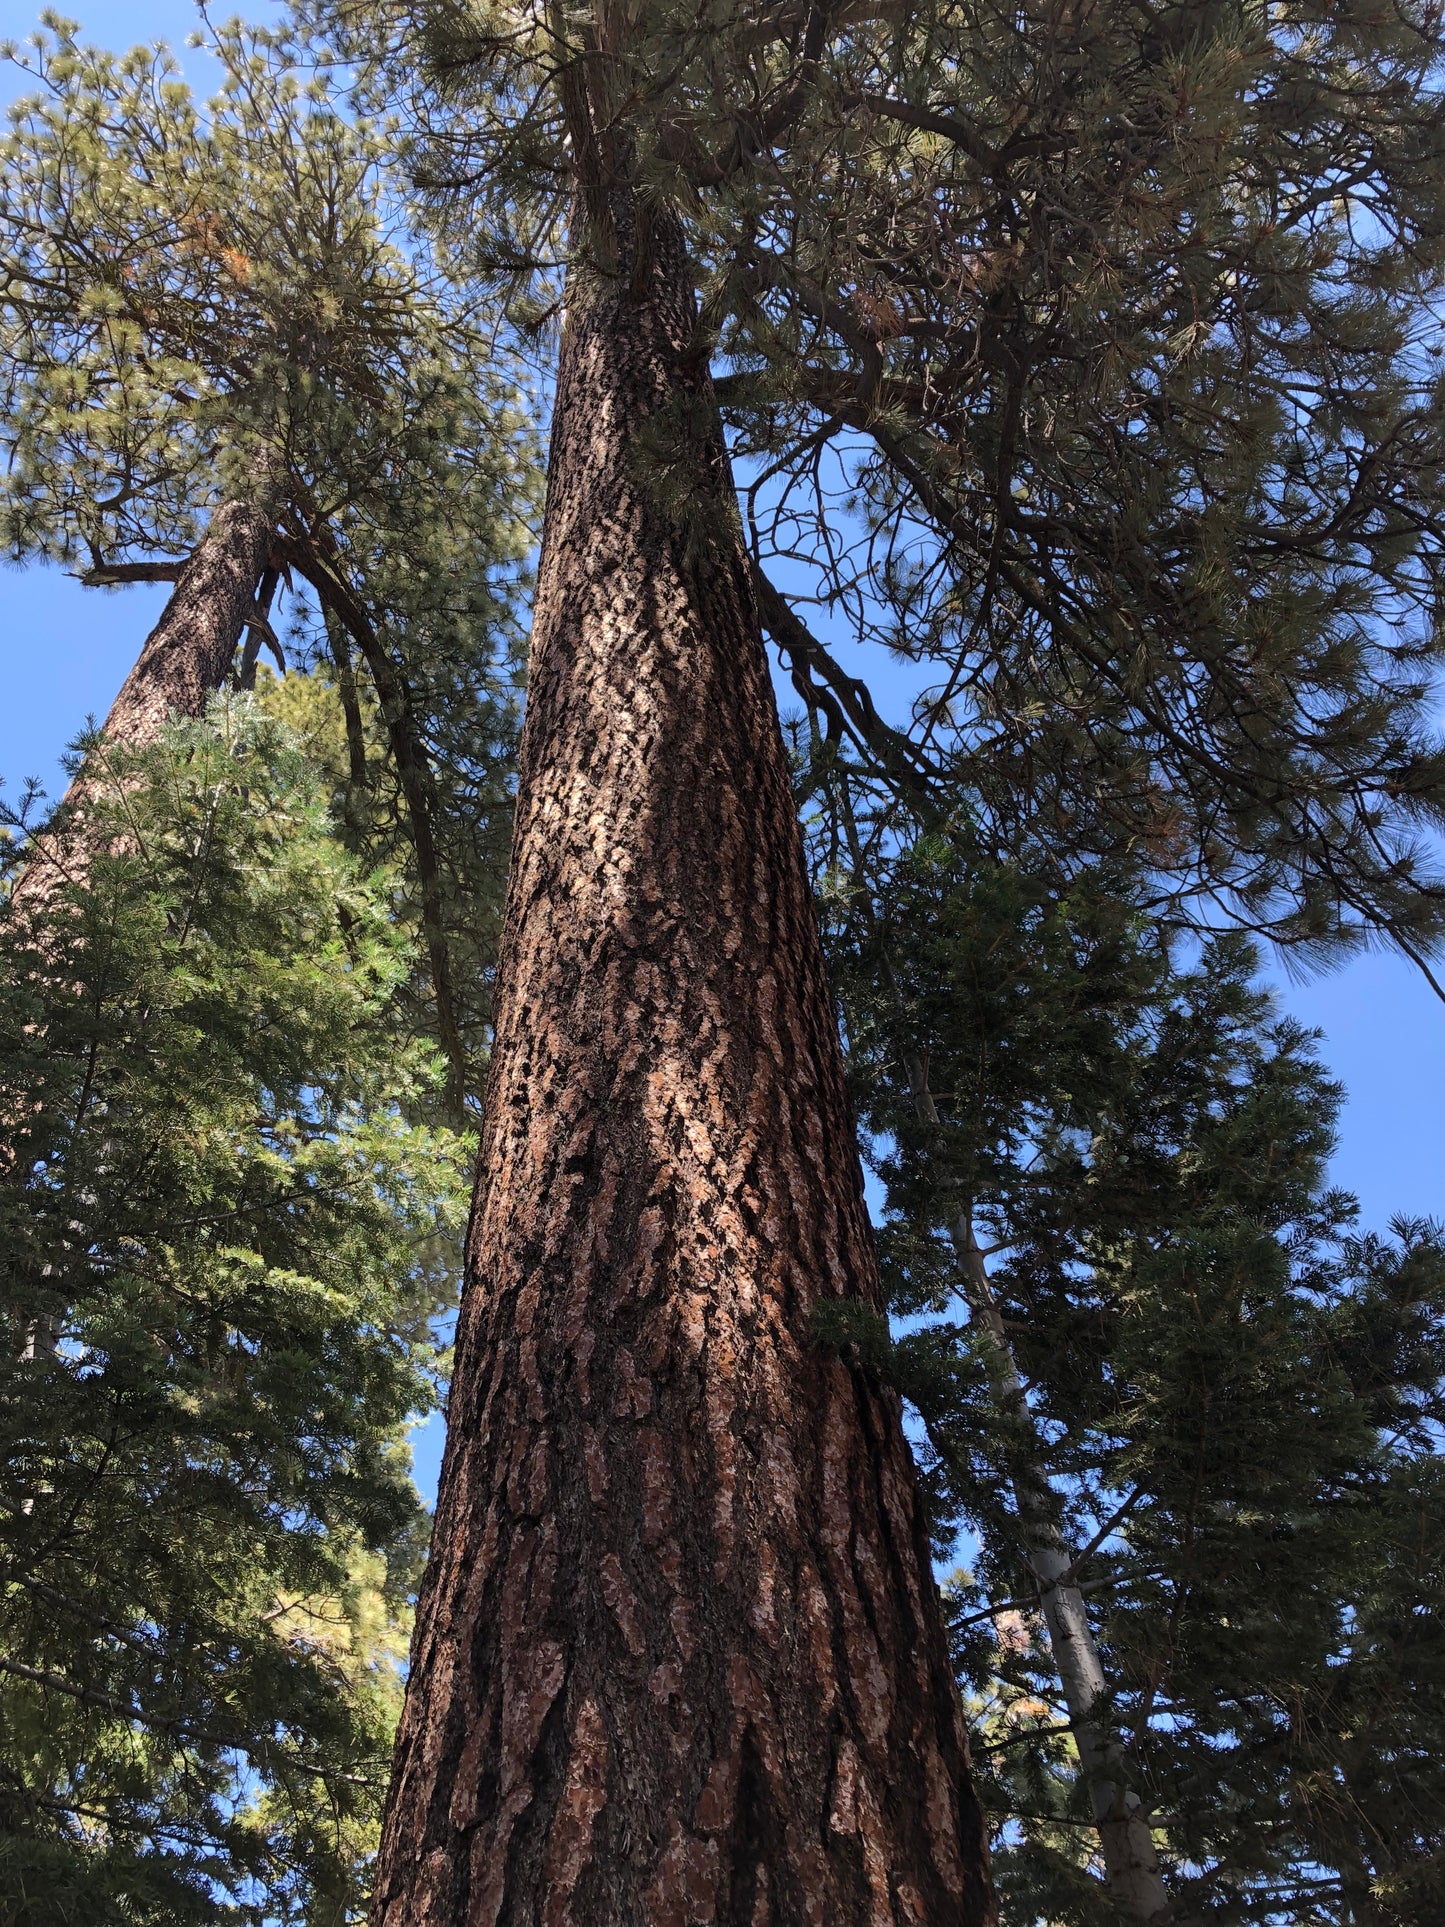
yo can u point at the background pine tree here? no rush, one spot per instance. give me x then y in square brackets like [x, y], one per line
[1232, 1395]
[231, 1232]
[193, 294]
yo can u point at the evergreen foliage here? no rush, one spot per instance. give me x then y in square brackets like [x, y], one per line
[187, 288]
[200, 302]
[1233, 1395]
[292, 913]
[225, 1240]
[465, 692]
[1084, 354]
[1118, 324]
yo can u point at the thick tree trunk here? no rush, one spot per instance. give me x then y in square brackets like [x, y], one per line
[1131, 1865]
[186, 658]
[679, 1655]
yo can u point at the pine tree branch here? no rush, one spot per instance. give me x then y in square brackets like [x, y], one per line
[181, 1728]
[313, 555]
[1115, 1518]
[1016, 1739]
[52, 1597]
[111, 575]
[926, 121]
[112, 1703]
[1030, 1601]
[846, 697]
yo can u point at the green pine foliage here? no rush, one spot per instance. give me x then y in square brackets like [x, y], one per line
[1234, 1394]
[1098, 346]
[227, 1044]
[204, 299]
[187, 288]
[464, 691]
[226, 1239]
[1086, 355]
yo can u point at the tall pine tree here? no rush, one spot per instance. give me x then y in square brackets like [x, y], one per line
[1190, 1412]
[226, 360]
[679, 1653]
[1045, 321]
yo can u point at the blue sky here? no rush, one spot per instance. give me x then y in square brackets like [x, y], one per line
[64, 651]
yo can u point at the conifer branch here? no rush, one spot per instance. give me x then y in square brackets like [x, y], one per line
[109, 575]
[848, 697]
[314, 557]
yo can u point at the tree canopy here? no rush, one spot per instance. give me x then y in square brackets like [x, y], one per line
[1084, 355]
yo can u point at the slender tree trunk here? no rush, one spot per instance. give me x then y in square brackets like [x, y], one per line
[418, 787]
[186, 658]
[1131, 1864]
[261, 631]
[679, 1656]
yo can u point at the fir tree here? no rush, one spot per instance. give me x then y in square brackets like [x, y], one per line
[224, 1245]
[1190, 1412]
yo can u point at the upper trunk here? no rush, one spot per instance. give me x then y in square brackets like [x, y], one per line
[679, 1655]
[188, 654]
[186, 657]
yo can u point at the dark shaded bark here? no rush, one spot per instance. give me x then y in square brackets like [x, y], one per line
[261, 633]
[186, 658]
[315, 558]
[679, 1655]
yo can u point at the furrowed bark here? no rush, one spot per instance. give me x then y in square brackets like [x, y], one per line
[679, 1655]
[186, 658]
[1131, 1865]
